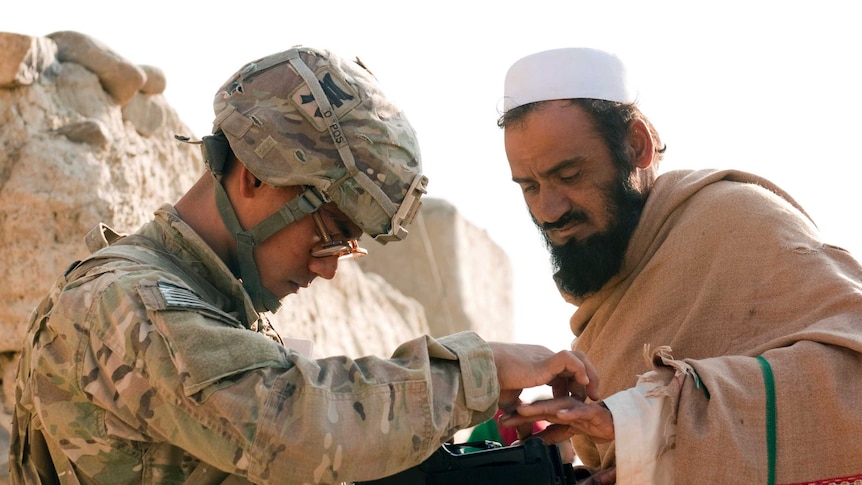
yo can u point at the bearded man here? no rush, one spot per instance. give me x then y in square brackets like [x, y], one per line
[726, 332]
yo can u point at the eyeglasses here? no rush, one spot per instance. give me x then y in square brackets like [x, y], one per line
[344, 249]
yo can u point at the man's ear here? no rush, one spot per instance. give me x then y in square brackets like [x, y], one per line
[246, 180]
[642, 145]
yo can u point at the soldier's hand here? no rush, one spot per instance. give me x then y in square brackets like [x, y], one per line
[521, 366]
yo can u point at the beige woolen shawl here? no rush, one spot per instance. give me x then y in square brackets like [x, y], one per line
[724, 267]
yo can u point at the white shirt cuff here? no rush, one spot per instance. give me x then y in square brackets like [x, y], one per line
[644, 431]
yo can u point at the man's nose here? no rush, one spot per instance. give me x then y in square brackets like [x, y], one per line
[324, 267]
[550, 205]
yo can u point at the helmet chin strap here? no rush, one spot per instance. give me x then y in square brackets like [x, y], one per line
[309, 201]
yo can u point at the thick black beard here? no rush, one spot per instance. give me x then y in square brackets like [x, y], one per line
[583, 267]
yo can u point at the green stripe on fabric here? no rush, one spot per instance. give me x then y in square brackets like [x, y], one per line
[769, 384]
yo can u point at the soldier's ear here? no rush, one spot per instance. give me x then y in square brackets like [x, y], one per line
[247, 181]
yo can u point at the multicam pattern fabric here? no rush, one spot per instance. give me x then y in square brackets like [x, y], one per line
[156, 369]
[274, 125]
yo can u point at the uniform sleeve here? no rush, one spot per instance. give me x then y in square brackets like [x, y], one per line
[370, 417]
[242, 403]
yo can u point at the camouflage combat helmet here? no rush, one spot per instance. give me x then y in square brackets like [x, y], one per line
[306, 117]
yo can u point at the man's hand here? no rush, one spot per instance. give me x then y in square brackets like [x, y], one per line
[520, 366]
[569, 416]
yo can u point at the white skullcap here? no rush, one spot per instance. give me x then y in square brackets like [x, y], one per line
[568, 73]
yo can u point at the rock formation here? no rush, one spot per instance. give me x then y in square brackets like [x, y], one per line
[87, 136]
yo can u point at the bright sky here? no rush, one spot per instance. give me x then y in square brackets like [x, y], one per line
[767, 87]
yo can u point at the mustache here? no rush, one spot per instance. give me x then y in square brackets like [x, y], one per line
[564, 220]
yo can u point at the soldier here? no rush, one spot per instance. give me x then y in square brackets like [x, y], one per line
[152, 361]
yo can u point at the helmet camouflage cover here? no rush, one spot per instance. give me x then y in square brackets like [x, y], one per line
[340, 135]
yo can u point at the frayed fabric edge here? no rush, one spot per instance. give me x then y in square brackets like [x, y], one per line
[664, 388]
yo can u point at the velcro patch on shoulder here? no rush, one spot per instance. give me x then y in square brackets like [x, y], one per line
[206, 344]
[177, 296]
[174, 297]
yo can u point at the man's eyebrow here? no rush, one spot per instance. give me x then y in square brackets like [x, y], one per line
[562, 165]
[522, 180]
[342, 225]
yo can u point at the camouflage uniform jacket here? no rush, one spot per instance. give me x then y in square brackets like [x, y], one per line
[156, 369]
